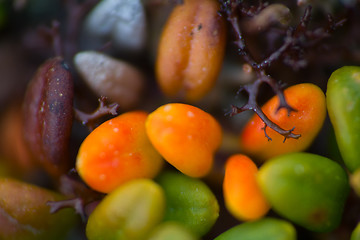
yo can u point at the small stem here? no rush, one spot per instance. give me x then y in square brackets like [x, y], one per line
[278, 53]
[53, 33]
[75, 203]
[278, 91]
[74, 19]
[252, 105]
[72, 186]
[240, 41]
[304, 22]
[266, 135]
[89, 119]
[253, 88]
[268, 123]
[277, 128]
[291, 51]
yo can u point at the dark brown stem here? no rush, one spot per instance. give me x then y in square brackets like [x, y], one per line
[75, 203]
[332, 25]
[278, 91]
[72, 186]
[296, 41]
[252, 10]
[278, 53]
[252, 105]
[53, 34]
[305, 20]
[262, 77]
[104, 109]
[266, 135]
[75, 15]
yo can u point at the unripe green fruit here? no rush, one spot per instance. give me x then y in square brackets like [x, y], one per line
[266, 228]
[173, 231]
[189, 201]
[343, 103]
[129, 212]
[355, 235]
[308, 189]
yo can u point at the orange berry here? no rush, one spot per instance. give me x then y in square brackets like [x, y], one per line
[242, 194]
[185, 136]
[118, 151]
[309, 101]
[191, 50]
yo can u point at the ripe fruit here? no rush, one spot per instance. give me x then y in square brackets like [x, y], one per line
[118, 151]
[309, 101]
[185, 136]
[242, 194]
[191, 50]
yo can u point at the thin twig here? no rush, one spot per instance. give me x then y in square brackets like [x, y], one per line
[53, 34]
[75, 203]
[75, 14]
[262, 77]
[104, 109]
[296, 41]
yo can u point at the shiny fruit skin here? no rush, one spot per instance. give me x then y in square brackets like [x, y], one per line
[118, 151]
[309, 102]
[191, 50]
[242, 194]
[186, 136]
[343, 102]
